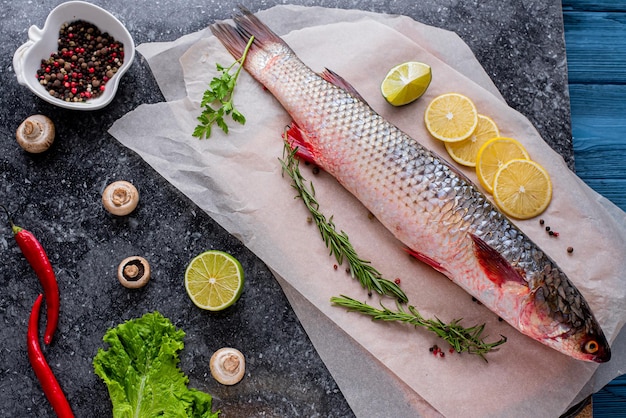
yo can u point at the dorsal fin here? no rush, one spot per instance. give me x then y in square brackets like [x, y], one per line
[334, 78]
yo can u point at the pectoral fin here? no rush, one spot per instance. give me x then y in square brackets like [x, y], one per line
[496, 267]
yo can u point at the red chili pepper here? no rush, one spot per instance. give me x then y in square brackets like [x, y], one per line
[49, 383]
[36, 255]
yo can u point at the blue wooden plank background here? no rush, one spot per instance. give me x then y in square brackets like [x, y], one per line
[595, 40]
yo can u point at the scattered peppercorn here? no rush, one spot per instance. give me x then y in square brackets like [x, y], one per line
[549, 229]
[315, 170]
[397, 281]
[476, 300]
[436, 351]
[570, 249]
[86, 59]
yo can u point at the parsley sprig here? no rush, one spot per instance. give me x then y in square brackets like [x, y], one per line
[220, 94]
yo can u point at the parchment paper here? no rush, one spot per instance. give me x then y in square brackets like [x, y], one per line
[237, 180]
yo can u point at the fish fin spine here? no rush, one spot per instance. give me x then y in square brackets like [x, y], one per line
[340, 82]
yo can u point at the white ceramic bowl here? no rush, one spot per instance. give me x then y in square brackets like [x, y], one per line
[43, 42]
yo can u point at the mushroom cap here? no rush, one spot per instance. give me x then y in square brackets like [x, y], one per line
[35, 134]
[133, 272]
[120, 198]
[228, 365]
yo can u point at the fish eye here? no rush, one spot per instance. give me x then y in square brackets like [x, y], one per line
[591, 347]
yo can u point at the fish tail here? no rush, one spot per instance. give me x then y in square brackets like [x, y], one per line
[236, 38]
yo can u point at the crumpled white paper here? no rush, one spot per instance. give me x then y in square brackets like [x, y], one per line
[237, 180]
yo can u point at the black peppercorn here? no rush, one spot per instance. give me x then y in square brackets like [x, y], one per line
[78, 75]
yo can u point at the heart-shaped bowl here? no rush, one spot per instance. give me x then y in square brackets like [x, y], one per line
[44, 42]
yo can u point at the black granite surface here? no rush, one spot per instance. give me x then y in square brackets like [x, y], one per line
[56, 195]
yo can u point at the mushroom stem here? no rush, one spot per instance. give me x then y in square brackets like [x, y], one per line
[32, 129]
[131, 271]
[120, 196]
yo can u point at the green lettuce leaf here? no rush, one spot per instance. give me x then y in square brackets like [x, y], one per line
[140, 369]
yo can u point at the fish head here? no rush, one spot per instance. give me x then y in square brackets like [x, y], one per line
[556, 314]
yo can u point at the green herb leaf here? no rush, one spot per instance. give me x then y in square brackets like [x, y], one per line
[238, 117]
[140, 369]
[338, 242]
[217, 101]
[462, 339]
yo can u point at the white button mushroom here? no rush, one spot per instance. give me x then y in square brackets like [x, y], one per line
[227, 365]
[120, 198]
[133, 272]
[35, 134]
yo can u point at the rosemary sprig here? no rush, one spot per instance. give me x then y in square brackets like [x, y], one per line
[338, 242]
[220, 93]
[460, 338]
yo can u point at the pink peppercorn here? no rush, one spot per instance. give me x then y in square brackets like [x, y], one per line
[80, 59]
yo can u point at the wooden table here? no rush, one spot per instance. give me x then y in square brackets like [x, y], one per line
[595, 38]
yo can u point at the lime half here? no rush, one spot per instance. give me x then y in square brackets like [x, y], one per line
[214, 280]
[406, 82]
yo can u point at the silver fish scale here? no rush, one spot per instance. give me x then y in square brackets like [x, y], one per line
[417, 176]
[421, 178]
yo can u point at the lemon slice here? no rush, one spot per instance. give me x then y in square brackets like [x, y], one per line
[214, 280]
[522, 189]
[406, 82]
[465, 152]
[451, 117]
[493, 155]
